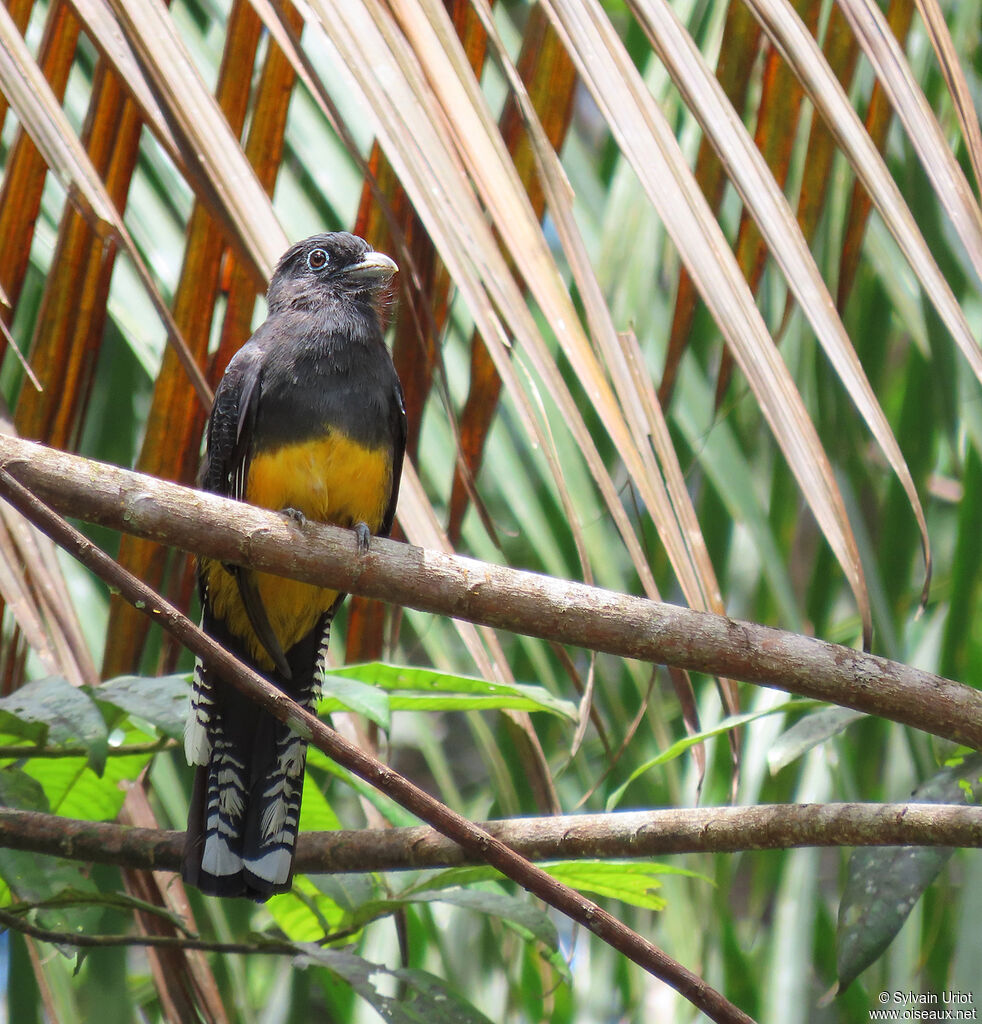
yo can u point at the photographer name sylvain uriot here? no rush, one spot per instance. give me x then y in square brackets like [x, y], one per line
[933, 998]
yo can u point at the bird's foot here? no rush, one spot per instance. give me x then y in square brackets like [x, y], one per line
[363, 536]
[295, 514]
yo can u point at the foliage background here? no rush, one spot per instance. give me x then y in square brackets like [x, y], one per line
[727, 502]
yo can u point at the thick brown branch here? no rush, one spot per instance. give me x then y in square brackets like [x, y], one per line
[626, 834]
[451, 824]
[557, 610]
[622, 835]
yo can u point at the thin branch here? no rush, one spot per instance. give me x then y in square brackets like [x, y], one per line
[81, 940]
[522, 602]
[622, 835]
[451, 824]
[86, 940]
[26, 751]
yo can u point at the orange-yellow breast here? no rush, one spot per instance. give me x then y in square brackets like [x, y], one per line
[331, 480]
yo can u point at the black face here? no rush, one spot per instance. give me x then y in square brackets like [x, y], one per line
[328, 267]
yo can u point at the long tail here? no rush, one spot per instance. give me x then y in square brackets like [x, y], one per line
[245, 809]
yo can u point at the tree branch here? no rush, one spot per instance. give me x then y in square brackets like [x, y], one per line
[618, 836]
[82, 940]
[522, 602]
[29, 752]
[451, 824]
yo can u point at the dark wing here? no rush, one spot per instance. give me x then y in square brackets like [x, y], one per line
[233, 416]
[226, 471]
[397, 423]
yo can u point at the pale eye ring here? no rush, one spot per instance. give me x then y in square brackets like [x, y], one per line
[318, 259]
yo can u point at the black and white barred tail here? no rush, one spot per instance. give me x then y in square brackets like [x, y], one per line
[245, 808]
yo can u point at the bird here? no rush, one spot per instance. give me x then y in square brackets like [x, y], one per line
[309, 420]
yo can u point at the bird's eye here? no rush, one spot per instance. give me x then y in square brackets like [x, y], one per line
[317, 259]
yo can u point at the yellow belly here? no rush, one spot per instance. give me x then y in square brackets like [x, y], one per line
[331, 480]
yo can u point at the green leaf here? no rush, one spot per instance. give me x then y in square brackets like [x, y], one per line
[961, 634]
[19, 790]
[74, 790]
[305, 914]
[53, 711]
[807, 733]
[160, 700]
[28, 876]
[629, 882]
[316, 814]
[452, 878]
[66, 777]
[338, 693]
[884, 883]
[36, 878]
[421, 689]
[357, 896]
[350, 892]
[681, 746]
[528, 919]
[428, 999]
[388, 808]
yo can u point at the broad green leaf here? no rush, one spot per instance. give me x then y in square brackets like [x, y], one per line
[628, 881]
[75, 791]
[19, 790]
[884, 883]
[34, 878]
[349, 891]
[452, 878]
[305, 914]
[160, 700]
[30, 878]
[340, 694]
[425, 689]
[391, 811]
[428, 1000]
[316, 814]
[53, 711]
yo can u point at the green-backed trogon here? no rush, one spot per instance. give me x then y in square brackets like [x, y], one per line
[308, 419]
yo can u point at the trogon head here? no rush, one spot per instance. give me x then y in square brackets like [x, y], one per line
[328, 267]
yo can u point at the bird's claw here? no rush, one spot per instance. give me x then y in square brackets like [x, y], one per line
[363, 537]
[295, 514]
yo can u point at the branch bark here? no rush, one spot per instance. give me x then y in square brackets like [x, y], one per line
[522, 602]
[618, 836]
